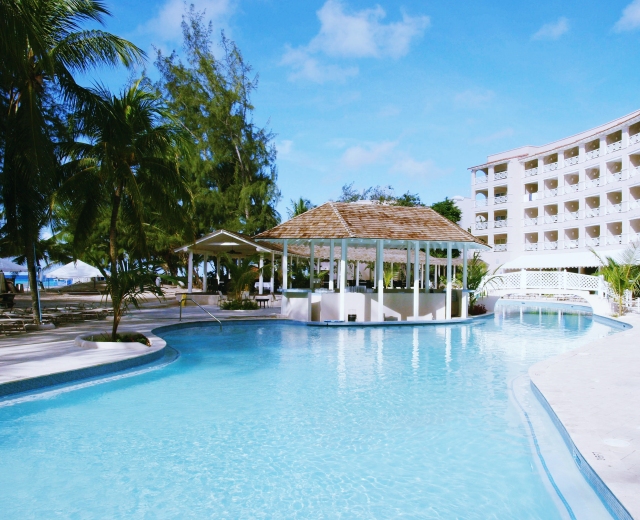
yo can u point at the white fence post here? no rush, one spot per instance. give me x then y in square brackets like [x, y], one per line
[523, 280]
[564, 280]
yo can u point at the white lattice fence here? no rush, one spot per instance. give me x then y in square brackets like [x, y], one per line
[543, 280]
[582, 282]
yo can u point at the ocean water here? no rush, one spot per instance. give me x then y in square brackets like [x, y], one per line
[274, 420]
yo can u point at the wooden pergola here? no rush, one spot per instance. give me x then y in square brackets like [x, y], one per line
[377, 227]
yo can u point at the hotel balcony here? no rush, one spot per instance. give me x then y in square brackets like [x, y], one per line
[550, 219]
[533, 221]
[501, 199]
[614, 141]
[531, 172]
[533, 246]
[500, 247]
[551, 167]
[614, 240]
[570, 161]
[571, 244]
[551, 193]
[498, 176]
[613, 147]
[592, 149]
[592, 241]
[592, 212]
[500, 223]
[551, 246]
[571, 216]
[614, 208]
[633, 139]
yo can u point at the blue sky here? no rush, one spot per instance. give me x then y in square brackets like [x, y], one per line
[412, 93]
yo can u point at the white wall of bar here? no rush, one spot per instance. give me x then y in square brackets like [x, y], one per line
[577, 193]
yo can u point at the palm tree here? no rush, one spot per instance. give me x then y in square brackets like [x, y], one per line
[622, 275]
[244, 272]
[42, 47]
[125, 171]
[298, 207]
[478, 278]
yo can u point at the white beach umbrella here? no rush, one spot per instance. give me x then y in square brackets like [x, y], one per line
[77, 269]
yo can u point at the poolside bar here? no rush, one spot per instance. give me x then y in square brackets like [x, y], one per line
[359, 229]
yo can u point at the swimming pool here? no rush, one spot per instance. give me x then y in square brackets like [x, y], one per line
[269, 419]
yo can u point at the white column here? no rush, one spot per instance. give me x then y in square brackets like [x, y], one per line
[204, 275]
[375, 271]
[343, 279]
[273, 273]
[285, 266]
[465, 295]
[218, 268]
[416, 279]
[407, 284]
[447, 312]
[380, 278]
[261, 275]
[312, 261]
[427, 247]
[190, 273]
[358, 273]
[331, 245]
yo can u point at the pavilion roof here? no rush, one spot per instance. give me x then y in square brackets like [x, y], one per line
[366, 222]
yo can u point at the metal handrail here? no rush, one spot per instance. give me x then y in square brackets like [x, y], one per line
[184, 300]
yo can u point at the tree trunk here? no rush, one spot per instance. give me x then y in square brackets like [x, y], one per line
[30, 254]
[116, 299]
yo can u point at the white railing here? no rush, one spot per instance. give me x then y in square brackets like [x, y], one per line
[500, 199]
[570, 161]
[613, 147]
[572, 215]
[533, 246]
[482, 180]
[571, 188]
[634, 170]
[550, 219]
[635, 138]
[480, 202]
[634, 204]
[570, 244]
[500, 247]
[593, 154]
[482, 225]
[531, 221]
[594, 183]
[553, 280]
[499, 176]
[614, 208]
[633, 237]
[532, 196]
[551, 246]
[614, 240]
[593, 242]
[614, 176]
[551, 193]
[551, 167]
[531, 172]
[592, 212]
[501, 223]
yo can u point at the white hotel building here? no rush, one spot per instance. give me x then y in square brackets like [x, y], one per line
[547, 206]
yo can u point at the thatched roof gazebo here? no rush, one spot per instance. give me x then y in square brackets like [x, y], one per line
[360, 227]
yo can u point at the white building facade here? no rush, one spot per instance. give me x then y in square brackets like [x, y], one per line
[548, 206]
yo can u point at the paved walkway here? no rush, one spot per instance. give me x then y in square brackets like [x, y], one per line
[595, 392]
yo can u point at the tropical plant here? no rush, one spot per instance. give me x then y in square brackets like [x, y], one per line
[243, 272]
[42, 47]
[621, 275]
[479, 279]
[123, 172]
[447, 208]
[389, 274]
[298, 207]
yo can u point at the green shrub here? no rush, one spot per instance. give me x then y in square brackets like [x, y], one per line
[239, 305]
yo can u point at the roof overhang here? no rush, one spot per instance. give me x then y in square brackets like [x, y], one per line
[559, 260]
[221, 241]
[372, 242]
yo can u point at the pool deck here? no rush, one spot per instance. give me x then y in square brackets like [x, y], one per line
[593, 390]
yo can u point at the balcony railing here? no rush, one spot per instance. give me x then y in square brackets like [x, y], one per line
[634, 170]
[482, 180]
[551, 193]
[634, 204]
[613, 147]
[533, 221]
[593, 154]
[571, 215]
[571, 244]
[551, 246]
[500, 199]
[500, 247]
[532, 196]
[531, 172]
[614, 208]
[482, 225]
[551, 167]
[635, 138]
[481, 202]
[594, 183]
[571, 188]
[592, 212]
[499, 176]
[533, 246]
[570, 161]
[614, 177]
[593, 241]
[550, 219]
[500, 223]
[634, 237]
[614, 240]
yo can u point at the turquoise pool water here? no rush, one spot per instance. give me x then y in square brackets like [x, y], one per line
[273, 420]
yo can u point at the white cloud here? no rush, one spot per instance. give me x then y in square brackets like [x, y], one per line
[473, 98]
[359, 34]
[496, 136]
[411, 167]
[630, 18]
[165, 26]
[358, 156]
[284, 147]
[552, 30]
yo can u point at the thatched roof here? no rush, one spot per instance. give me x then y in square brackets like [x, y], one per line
[365, 223]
